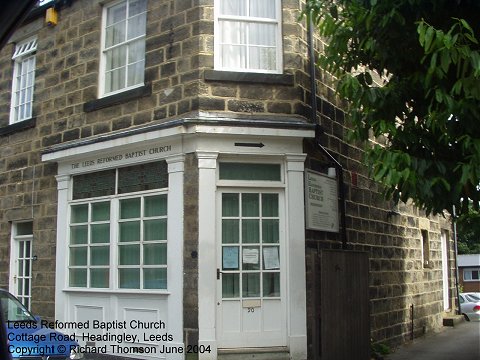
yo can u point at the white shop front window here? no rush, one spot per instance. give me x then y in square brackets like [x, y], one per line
[118, 228]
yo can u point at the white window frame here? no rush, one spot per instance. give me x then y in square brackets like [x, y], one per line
[114, 262]
[15, 277]
[248, 19]
[22, 92]
[103, 60]
[470, 277]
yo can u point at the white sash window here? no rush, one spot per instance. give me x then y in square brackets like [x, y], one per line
[23, 80]
[123, 46]
[248, 35]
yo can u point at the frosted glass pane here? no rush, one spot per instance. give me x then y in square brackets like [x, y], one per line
[233, 7]
[155, 205]
[155, 254]
[230, 285]
[78, 277]
[100, 255]
[263, 8]
[143, 177]
[115, 34]
[155, 229]
[136, 51]
[115, 80]
[79, 213]
[129, 254]
[155, 278]
[129, 278]
[262, 34]
[79, 234]
[78, 256]
[270, 205]
[99, 278]
[230, 205]
[271, 284]
[262, 58]
[250, 205]
[270, 231]
[116, 58]
[135, 73]
[233, 32]
[116, 13]
[100, 233]
[136, 26]
[130, 231]
[251, 231]
[100, 183]
[230, 231]
[137, 7]
[234, 56]
[101, 211]
[130, 208]
[251, 285]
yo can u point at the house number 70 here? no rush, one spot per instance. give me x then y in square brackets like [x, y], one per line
[251, 309]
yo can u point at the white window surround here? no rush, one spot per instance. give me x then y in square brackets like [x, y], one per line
[122, 60]
[471, 274]
[21, 107]
[251, 51]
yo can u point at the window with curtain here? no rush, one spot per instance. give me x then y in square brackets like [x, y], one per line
[123, 59]
[118, 228]
[248, 35]
[23, 80]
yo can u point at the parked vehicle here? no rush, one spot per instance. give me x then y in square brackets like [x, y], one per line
[470, 306]
[29, 337]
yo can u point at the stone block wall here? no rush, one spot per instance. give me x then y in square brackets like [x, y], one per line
[179, 59]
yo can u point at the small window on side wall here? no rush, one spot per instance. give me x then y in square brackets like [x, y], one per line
[123, 46]
[23, 80]
[248, 36]
[425, 249]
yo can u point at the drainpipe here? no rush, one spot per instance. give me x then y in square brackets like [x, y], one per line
[459, 310]
[319, 131]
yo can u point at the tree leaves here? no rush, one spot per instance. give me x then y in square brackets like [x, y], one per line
[429, 110]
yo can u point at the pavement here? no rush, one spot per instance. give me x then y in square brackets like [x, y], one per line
[460, 342]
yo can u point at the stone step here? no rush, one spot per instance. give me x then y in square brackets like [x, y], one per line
[277, 353]
[452, 320]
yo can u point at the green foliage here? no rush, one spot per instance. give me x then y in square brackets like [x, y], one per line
[468, 232]
[427, 108]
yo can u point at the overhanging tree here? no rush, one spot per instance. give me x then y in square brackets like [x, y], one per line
[428, 106]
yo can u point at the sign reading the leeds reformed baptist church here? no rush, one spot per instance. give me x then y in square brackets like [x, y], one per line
[321, 202]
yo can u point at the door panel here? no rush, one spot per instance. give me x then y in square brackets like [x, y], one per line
[251, 305]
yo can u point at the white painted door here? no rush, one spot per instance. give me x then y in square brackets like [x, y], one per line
[445, 270]
[251, 270]
[21, 267]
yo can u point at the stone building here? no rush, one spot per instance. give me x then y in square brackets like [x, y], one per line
[154, 161]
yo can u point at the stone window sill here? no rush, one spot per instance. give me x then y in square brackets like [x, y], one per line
[246, 77]
[19, 126]
[117, 99]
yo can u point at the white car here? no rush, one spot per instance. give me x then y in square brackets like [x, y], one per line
[470, 306]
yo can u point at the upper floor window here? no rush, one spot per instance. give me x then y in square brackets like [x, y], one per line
[23, 80]
[123, 46]
[248, 35]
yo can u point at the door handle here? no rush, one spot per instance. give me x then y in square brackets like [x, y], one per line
[218, 273]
